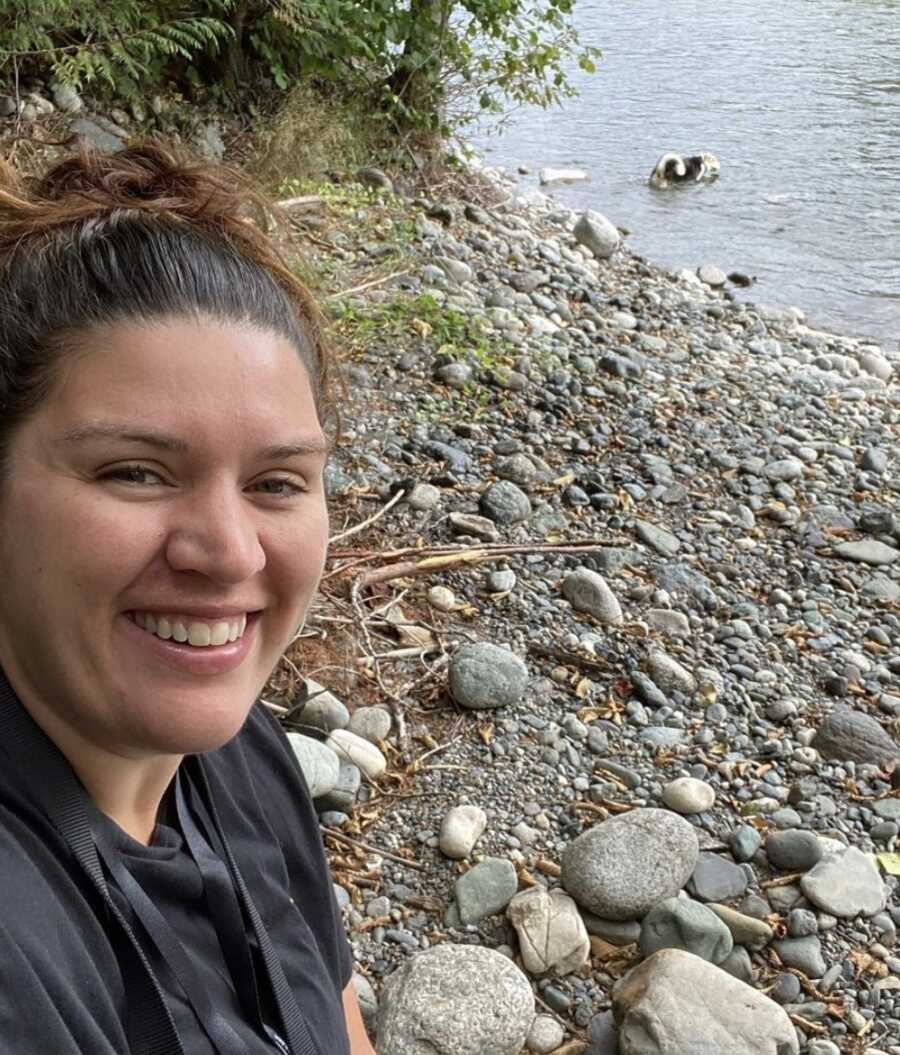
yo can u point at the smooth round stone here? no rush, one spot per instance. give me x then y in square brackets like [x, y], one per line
[319, 764]
[586, 591]
[710, 275]
[786, 989]
[793, 850]
[669, 675]
[441, 598]
[461, 828]
[371, 723]
[424, 497]
[679, 923]
[745, 840]
[501, 581]
[621, 868]
[545, 1035]
[483, 676]
[349, 747]
[323, 710]
[505, 503]
[687, 795]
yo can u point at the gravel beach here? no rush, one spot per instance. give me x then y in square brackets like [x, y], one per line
[672, 745]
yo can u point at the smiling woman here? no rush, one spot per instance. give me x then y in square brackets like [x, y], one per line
[163, 416]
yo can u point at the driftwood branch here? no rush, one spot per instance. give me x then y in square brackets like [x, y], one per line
[341, 838]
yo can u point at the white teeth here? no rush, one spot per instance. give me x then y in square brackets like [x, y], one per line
[199, 634]
[194, 632]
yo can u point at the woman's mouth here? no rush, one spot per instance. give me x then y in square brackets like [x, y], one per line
[187, 629]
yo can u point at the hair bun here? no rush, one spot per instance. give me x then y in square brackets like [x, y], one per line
[147, 176]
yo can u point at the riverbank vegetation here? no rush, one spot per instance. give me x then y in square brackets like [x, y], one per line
[412, 71]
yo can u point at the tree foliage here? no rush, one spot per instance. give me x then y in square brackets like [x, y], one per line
[427, 64]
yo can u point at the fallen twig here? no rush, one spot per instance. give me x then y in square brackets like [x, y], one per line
[371, 849]
[564, 656]
[366, 285]
[369, 520]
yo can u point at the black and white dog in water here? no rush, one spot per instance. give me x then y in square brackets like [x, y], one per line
[672, 169]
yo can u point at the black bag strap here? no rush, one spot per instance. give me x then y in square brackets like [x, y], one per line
[296, 1030]
[50, 779]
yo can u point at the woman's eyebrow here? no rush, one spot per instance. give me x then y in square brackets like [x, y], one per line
[153, 438]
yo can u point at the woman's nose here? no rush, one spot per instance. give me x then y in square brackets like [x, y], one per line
[216, 535]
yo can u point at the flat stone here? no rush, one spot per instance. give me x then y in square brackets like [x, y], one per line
[456, 1000]
[669, 623]
[588, 592]
[461, 828]
[794, 850]
[621, 867]
[319, 765]
[717, 879]
[669, 675]
[803, 953]
[850, 735]
[485, 889]
[679, 923]
[675, 1003]
[552, 935]
[352, 748]
[471, 524]
[659, 539]
[867, 551]
[613, 931]
[845, 885]
[710, 275]
[744, 841]
[483, 676]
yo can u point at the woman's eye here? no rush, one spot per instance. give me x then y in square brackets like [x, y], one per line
[279, 487]
[137, 475]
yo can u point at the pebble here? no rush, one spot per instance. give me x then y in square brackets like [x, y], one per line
[669, 675]
[686, 795]
[485, 889]
[793, 851]
[545, 1035]
[483, 676]
[441, 598]
[371, 723]
[460, 830]
[717, 879]
[588, 592]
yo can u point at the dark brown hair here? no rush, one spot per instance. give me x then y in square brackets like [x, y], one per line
[140, 235]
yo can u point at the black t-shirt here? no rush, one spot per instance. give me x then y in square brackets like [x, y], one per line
[61, 987]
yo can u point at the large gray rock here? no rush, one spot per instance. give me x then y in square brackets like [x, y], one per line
[586, 591]
[679, 923]
[323, 710]
[483, 676]
[675, 1003]
[622, 867]
[794, 850]
[867, 551]
[552, 935]
[845, 884]
[849, 735]
[596, 234]
[455, 1000]
[318, 763]
[717, 878]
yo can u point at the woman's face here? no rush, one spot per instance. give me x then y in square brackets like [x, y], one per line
[162, 532]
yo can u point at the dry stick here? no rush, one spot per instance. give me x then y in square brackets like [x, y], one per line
[579, 545]
[564, 656]
[303, 201]
[370, 520]
[366, 285]
[372, 849]
[398, 653]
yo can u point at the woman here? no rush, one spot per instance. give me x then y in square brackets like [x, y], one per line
[164, 394]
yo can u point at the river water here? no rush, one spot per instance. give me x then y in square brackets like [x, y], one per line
[799, 99]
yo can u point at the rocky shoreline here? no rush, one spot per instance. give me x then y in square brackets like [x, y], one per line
[671, 755]
[605, 721]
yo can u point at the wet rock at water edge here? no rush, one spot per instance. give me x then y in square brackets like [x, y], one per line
[456, 1000]
[483, 676]
[621, 867]
[596, 234]
[675, 1002]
